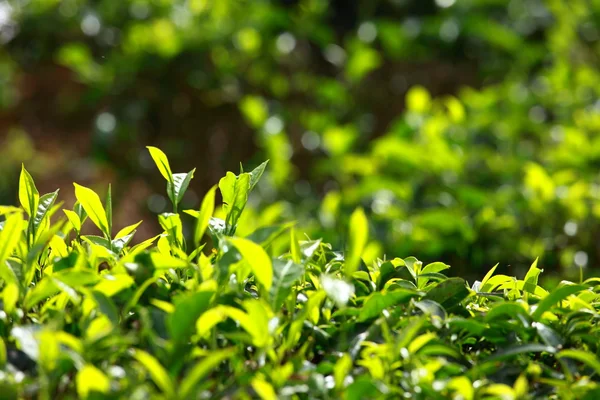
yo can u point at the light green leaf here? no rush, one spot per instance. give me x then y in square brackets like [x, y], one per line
[9, 239]
[158, 374]
[531, 279]
[359, 232]
[256, 173]
[493, 282]
[127, 230]
[28, 193]
[263, 388]
[557, 295]
[92, 205]
[295, 247]
[171, 223]
[432, 268]
[10, 295]
[45, 203]
[234, 190]
[585, 357]
[259, 261]
[177, 188]
[378, 301]
[342, 369]
[9, 210]
[90, 379]
[73, 219]
[109, 209]
[2, 353]
[487, 277]
[206, 211]
[285, 274]
[110, 285]
[161, 161]
[201, 370]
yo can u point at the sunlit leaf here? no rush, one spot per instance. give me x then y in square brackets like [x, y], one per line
[207, 209]
[158, 374]
[93, 207]
[359, 233]
[28, 193]
[162, 163]
[89, 380]
[258, 259]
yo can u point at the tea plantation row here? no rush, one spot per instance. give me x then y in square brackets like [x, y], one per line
[272, 315]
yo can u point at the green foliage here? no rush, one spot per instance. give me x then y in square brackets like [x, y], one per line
[96, 317]
[466, 130]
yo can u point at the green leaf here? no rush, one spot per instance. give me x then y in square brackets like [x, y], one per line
[161, 161]
[432, 268]
[267, 234]
[487, 276]
[28, 193]
[548, 335]
[504, 310]
[106, 306]
[127, 230]
[531, 279]
[117, 245]
[342, 369]
[362, 388]
[110, 285]
[2, 353]
[73, 219]
[259, 261]
[235, 190]
[206, 211]
[178, 187]
[285, 274]
[449, 292]
[520, 349]
[158, 374]
[256, 174]
[295, 247]
[9, 239]
[89, 380]
[556, 296]
[171, 223]
[109, 209]
[263, 388]
[201, 370]
[45, 203]
[10, 296]
[378, 301]
[92, 205]
[78, 208]
[585, 357]
[181, 323]
[359, 232]
[493, 282]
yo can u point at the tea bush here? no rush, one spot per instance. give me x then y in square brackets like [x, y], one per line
[496, 160]
[269, 315]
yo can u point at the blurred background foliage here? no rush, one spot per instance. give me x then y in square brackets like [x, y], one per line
[468, 129]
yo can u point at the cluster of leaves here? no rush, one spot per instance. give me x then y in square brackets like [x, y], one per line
[505, 172]
[96, 317]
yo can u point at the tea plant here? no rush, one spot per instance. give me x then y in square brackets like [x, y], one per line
[94, 316]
